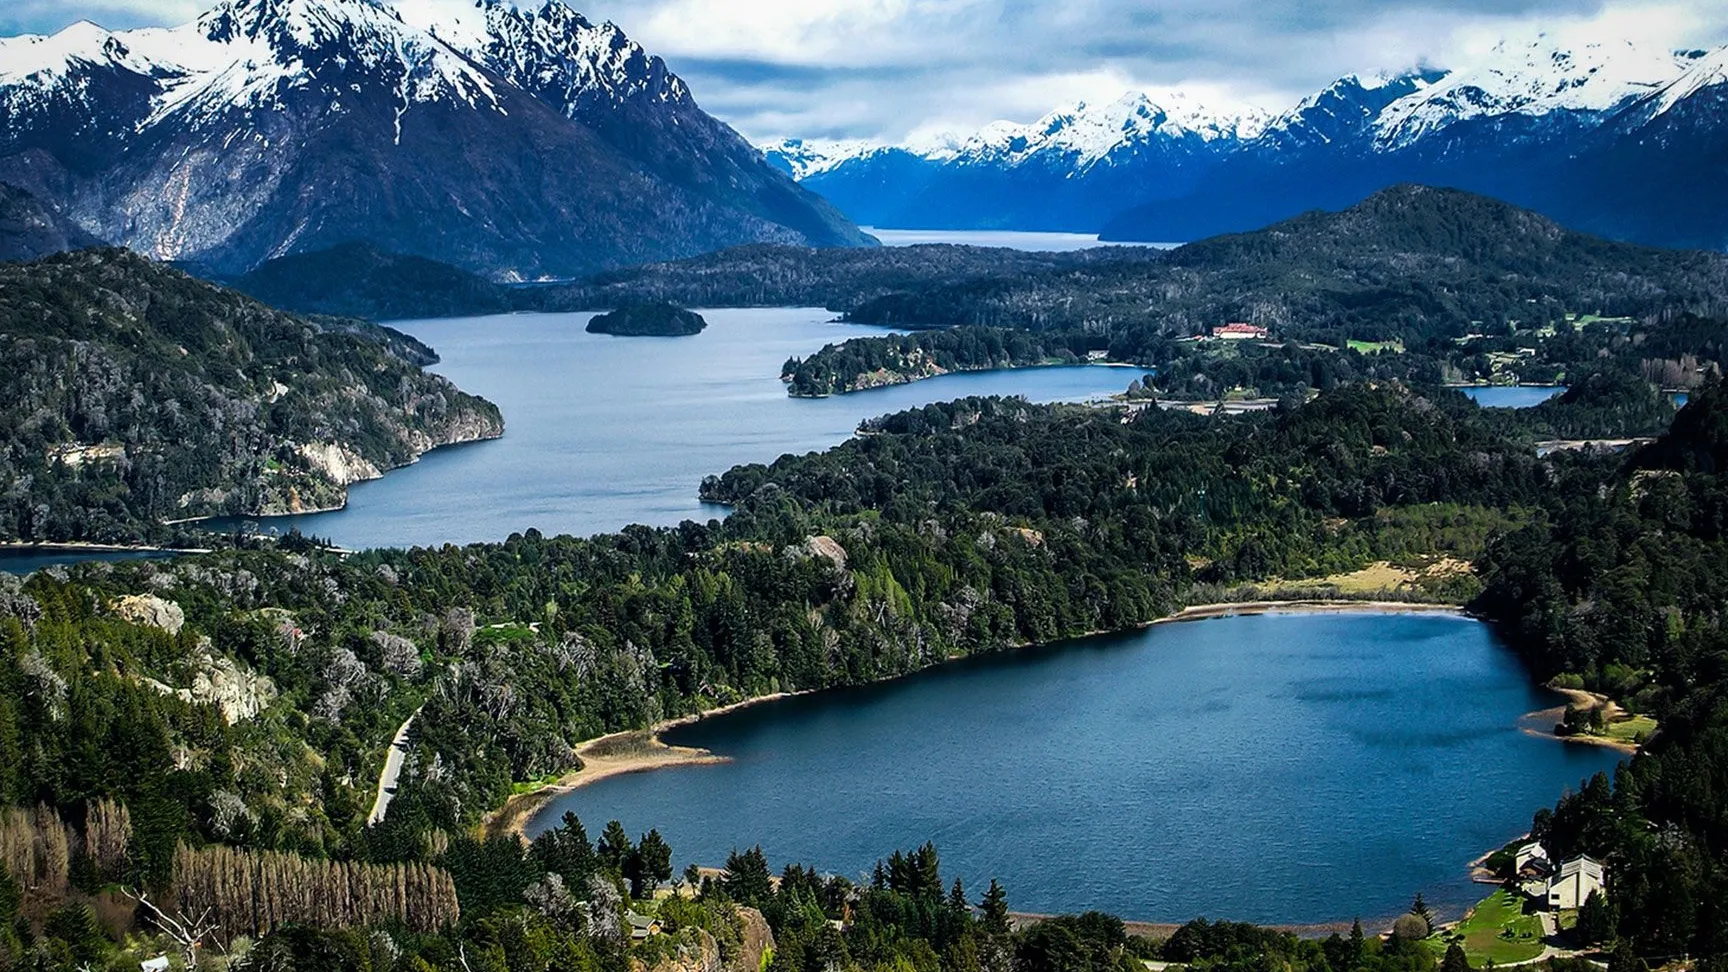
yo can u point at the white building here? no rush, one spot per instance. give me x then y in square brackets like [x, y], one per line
[1572, 884]
[1532, 856]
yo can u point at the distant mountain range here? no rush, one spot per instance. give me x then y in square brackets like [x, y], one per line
[513, 142]
[1609, 138]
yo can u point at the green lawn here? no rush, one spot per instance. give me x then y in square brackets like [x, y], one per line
[1636, 729]
[1496, 929]
[1375, 347]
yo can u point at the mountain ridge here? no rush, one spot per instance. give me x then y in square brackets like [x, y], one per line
[1559, 129]
[534, 145]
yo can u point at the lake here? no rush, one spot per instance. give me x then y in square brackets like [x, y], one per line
[1280, 768]
[604, 431]
[1009, 239]
[1510, 396]
[25, 560]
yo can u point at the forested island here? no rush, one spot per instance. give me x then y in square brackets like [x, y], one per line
[864, 363]
[253, 690]
[648, 320]
[131, 394]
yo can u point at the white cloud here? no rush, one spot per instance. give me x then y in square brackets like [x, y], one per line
[892, 68]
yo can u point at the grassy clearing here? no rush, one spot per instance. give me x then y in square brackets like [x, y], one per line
[1496, 930]
[1375, 347]
[1633, 730]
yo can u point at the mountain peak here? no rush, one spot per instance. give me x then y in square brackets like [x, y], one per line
[1531, 79]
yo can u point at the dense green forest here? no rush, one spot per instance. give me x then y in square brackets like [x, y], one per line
[180, 723]
[131, 393]
[360, 280]
[648, 320]
[863, 363]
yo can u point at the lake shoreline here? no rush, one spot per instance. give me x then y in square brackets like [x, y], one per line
[1231, 609]
[1542, 722]
[83, 546]
[650, 752]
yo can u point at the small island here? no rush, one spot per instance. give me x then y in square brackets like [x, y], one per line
[648, 320]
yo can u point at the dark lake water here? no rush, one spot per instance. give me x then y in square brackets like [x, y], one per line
[1283, 768]
[606, 431]
[1511, 396]
[29, 561]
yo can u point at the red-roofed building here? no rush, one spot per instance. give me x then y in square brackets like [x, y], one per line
[1237, 331]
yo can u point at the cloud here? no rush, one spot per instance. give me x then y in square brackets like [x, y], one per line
[888, 69]
[891, 68]
[44, 16]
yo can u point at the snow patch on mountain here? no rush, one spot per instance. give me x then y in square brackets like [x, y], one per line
[1533, 79]
[1086, 134]
[44, 60]
[1706, 71]
[804, 157]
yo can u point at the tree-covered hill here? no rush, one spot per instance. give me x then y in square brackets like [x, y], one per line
[131, 393]
[257, 688]
[1407, 263]
[360, 280]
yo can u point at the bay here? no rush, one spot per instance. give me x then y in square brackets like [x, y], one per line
[1282, 768]
[603, 431]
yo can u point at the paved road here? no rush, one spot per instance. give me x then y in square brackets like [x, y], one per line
[391, 772]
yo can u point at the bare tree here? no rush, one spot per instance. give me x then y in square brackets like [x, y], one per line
[187, 932]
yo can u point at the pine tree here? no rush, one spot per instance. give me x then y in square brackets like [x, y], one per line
[746, 880]
[995, 909]
[1420, 908]
[1455, 960]
[1596, 919]
[650, 865]
[615, 849]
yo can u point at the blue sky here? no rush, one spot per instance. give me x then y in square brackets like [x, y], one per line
[888, 69]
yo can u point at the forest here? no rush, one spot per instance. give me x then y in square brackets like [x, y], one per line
[205, 732]
[132, 394]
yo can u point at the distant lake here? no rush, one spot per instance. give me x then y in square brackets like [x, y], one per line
[1011, 239]
[602, 431]
[1285, 768]
[25, 561]
[1511, 396]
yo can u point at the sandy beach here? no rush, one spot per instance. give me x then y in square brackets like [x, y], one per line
[1541, 723]
[630, 751]
[1201, 612]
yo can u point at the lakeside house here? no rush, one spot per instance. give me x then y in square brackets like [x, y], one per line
[641, 926]
[1531, 861]
[1572, 884]
[1238, 331]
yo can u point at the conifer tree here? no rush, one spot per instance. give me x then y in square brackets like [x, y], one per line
[995, 909]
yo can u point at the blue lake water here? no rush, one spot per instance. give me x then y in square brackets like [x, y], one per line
[1283, 768]
[1010, 239]
[604, 431]
[1511, 396]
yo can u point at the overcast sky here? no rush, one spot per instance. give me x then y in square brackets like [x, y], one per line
[889, 69]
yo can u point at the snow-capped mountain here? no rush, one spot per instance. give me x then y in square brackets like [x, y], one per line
[509, 140]
[1537, 80]
[801, 158]
[1067, 170]
[1535, 123]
